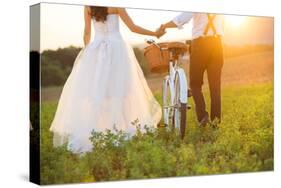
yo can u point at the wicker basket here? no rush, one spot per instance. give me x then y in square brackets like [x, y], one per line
[159, 59]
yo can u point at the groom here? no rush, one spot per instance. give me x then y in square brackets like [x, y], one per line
[206, 55]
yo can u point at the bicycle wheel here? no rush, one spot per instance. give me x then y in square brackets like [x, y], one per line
[167, 109]
[180, 109]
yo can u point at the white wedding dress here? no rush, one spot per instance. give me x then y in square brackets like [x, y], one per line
[105, 89]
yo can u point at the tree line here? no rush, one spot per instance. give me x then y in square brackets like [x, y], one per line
[56, 65]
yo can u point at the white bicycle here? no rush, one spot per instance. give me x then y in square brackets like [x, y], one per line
[165, 57]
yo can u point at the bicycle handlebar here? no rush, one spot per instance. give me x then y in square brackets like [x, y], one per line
[151, 41]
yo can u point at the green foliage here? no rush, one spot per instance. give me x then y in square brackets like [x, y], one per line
[243, 142]
[52, 74]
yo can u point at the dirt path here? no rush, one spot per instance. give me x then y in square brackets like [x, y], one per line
[247, 69]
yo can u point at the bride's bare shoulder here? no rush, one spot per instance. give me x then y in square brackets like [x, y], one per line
[87, 9]
[112, 10]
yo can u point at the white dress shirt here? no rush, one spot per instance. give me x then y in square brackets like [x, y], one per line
[200, 22]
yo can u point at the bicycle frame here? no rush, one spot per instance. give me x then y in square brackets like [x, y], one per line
[174, 70]
[174, 88]
[169, 81]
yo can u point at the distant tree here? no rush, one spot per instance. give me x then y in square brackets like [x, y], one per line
[56, 65]
[52, 74]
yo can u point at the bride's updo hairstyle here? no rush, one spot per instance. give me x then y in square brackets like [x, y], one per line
[99, 13]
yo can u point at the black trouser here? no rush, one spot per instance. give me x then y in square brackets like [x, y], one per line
[206, 55]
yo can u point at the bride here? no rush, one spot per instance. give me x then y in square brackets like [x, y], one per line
[106, 88]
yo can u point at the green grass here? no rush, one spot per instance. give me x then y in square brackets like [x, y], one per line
[242, 143]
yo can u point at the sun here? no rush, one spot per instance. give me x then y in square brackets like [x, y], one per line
[235, 21]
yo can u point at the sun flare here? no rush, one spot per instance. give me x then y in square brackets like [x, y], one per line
[235, 21]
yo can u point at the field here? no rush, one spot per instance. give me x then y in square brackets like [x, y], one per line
[240, 70]
[243, 142]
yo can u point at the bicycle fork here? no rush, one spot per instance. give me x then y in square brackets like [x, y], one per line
[169, 87]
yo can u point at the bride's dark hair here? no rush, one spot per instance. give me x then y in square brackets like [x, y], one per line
[99, 13]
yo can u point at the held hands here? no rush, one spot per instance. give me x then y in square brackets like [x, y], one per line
[160, 31]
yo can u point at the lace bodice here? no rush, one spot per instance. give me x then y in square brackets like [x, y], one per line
[110, 26]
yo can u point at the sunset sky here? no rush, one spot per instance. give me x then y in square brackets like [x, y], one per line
[63, 25]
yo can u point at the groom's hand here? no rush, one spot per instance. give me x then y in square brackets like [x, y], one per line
[162, 27]
[160, 31]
